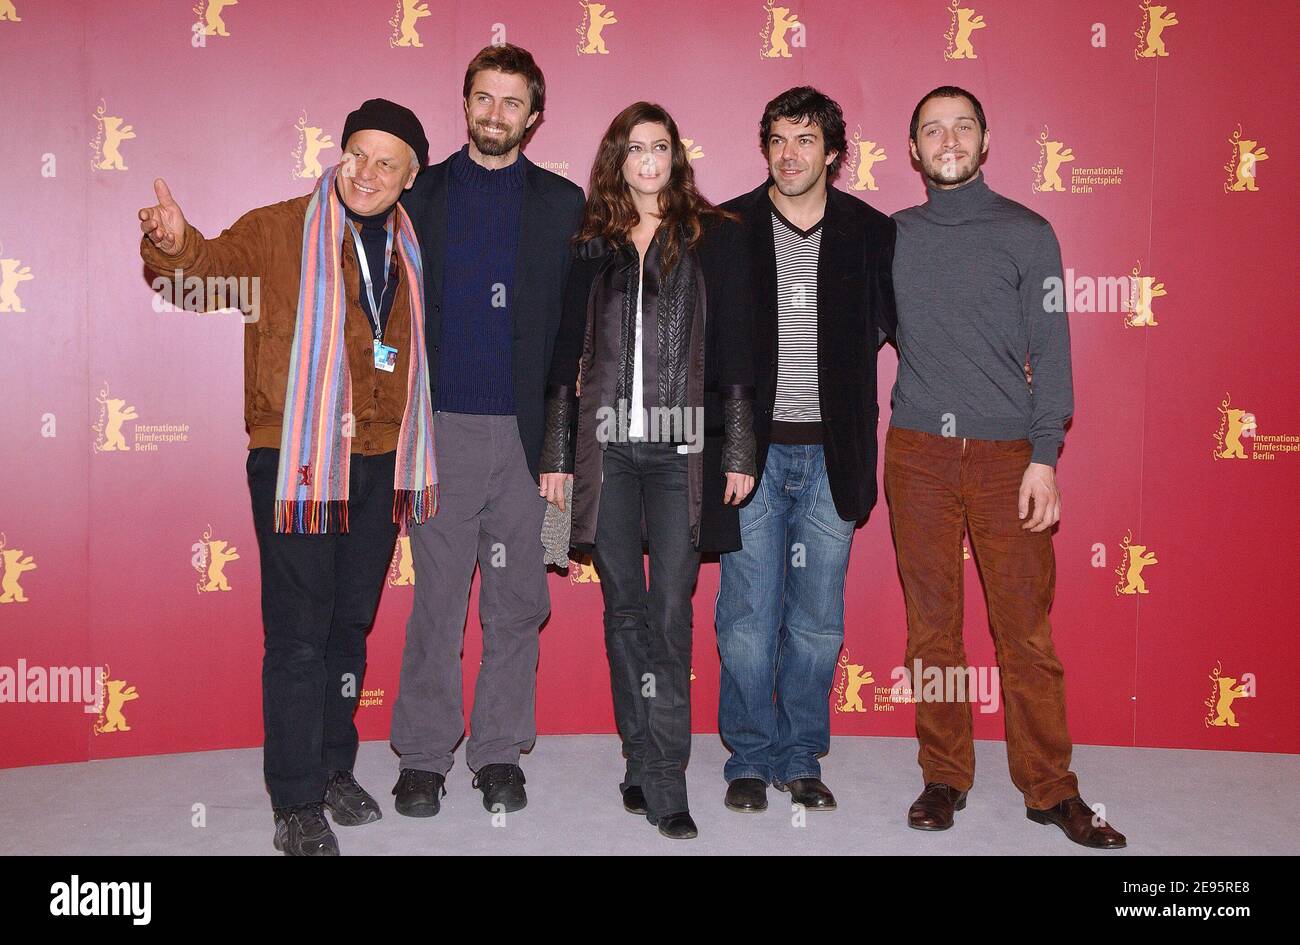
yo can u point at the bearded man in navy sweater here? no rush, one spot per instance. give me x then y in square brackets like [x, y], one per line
[495, 232]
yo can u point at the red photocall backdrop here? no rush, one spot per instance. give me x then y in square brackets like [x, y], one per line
[1156, 140]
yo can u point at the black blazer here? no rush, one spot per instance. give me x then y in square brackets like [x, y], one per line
[855, 298]
[552, 214]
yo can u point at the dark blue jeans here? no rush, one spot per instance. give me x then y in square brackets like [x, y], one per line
[780, 620]
[648, 629]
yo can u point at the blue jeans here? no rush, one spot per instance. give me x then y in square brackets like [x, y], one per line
[780, 620]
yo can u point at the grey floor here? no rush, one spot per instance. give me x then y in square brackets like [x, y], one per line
[214, 803]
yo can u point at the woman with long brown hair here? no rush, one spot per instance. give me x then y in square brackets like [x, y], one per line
[656, 325]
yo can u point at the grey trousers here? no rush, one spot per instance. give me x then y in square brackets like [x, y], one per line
[489, 514]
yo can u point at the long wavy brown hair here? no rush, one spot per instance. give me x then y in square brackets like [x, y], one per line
[610, 212]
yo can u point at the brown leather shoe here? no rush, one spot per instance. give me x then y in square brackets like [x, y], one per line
[934, 808]
[1079, 823]
[811, 793]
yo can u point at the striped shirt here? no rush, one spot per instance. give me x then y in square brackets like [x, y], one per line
[796, 305]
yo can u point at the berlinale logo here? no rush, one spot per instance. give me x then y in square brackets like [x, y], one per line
[780, 22]
[311, 142]
[1150, 35]
[1241, 166]
[401, 570]
[1224, 690]
[14, 563]
[1143, 290]
[591, 39]
[965, 21]
[848, 691]
[106, 145]
[210, 559]
[1136, 558]
[116, 694]
[866, 154]
[409, 12]
[1083, 180]
[12, 272]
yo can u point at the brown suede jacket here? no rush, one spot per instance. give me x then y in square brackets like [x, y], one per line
[267, 243]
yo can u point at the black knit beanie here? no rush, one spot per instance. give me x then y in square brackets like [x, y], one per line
[379, 114]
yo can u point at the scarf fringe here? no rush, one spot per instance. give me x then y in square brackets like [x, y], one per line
[415, 505]
[311, 517]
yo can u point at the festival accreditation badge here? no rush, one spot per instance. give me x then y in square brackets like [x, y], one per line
[385, 357]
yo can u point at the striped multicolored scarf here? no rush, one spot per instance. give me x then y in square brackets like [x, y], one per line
[311, 487]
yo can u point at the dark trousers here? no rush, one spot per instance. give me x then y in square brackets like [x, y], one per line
[648, 629]
[319, 596]
[939, 487]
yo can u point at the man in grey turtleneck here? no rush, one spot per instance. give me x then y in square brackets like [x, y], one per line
[979, 412]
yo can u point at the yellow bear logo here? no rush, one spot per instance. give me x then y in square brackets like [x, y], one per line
[782, 21]
[1138, 559]
[595, 18]
[1054, 154]
[403, 567]
[1240, 423]
[1228, 692]
[314, 141]
[1146, 291]
[119, 693]
[15, 565]
[218, 557]
[118, 413]
[1248, 155]
[8, 13]
[1155, 42]
[855, 678]
[584, 573]
[12, 272]
[114, 134]
[412, 11]
[213, 24]
[868, 155]
[968, 21]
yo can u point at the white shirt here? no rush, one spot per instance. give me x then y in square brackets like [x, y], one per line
[636, 422]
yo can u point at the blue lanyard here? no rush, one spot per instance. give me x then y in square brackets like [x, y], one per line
[365, 272]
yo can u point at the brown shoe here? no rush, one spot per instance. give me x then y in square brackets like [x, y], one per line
[1078, 822]
[934, 809]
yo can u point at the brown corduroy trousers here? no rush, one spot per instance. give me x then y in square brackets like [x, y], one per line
[937, 488]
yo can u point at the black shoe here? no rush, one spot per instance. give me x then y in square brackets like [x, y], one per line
[304, 831]
[634, 800]
[419, 792]
[503, 788]
[348, 802]
[810, 793]
[678, 826]
[746, 795]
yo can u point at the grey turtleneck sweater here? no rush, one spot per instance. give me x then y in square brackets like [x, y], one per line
[969, 268]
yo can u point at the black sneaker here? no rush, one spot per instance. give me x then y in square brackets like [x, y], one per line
[502, 786]
[304, 831]
[418, 792]
[348, 802]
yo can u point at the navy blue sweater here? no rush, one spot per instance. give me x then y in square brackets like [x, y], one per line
[484, 210]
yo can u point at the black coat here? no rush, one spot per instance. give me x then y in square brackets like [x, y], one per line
[552, 213]
[726, 375]
[855, 297]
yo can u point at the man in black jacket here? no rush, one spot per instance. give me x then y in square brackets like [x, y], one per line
[823, 301]
[495, 234]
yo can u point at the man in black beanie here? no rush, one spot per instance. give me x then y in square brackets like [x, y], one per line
[320, 590]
